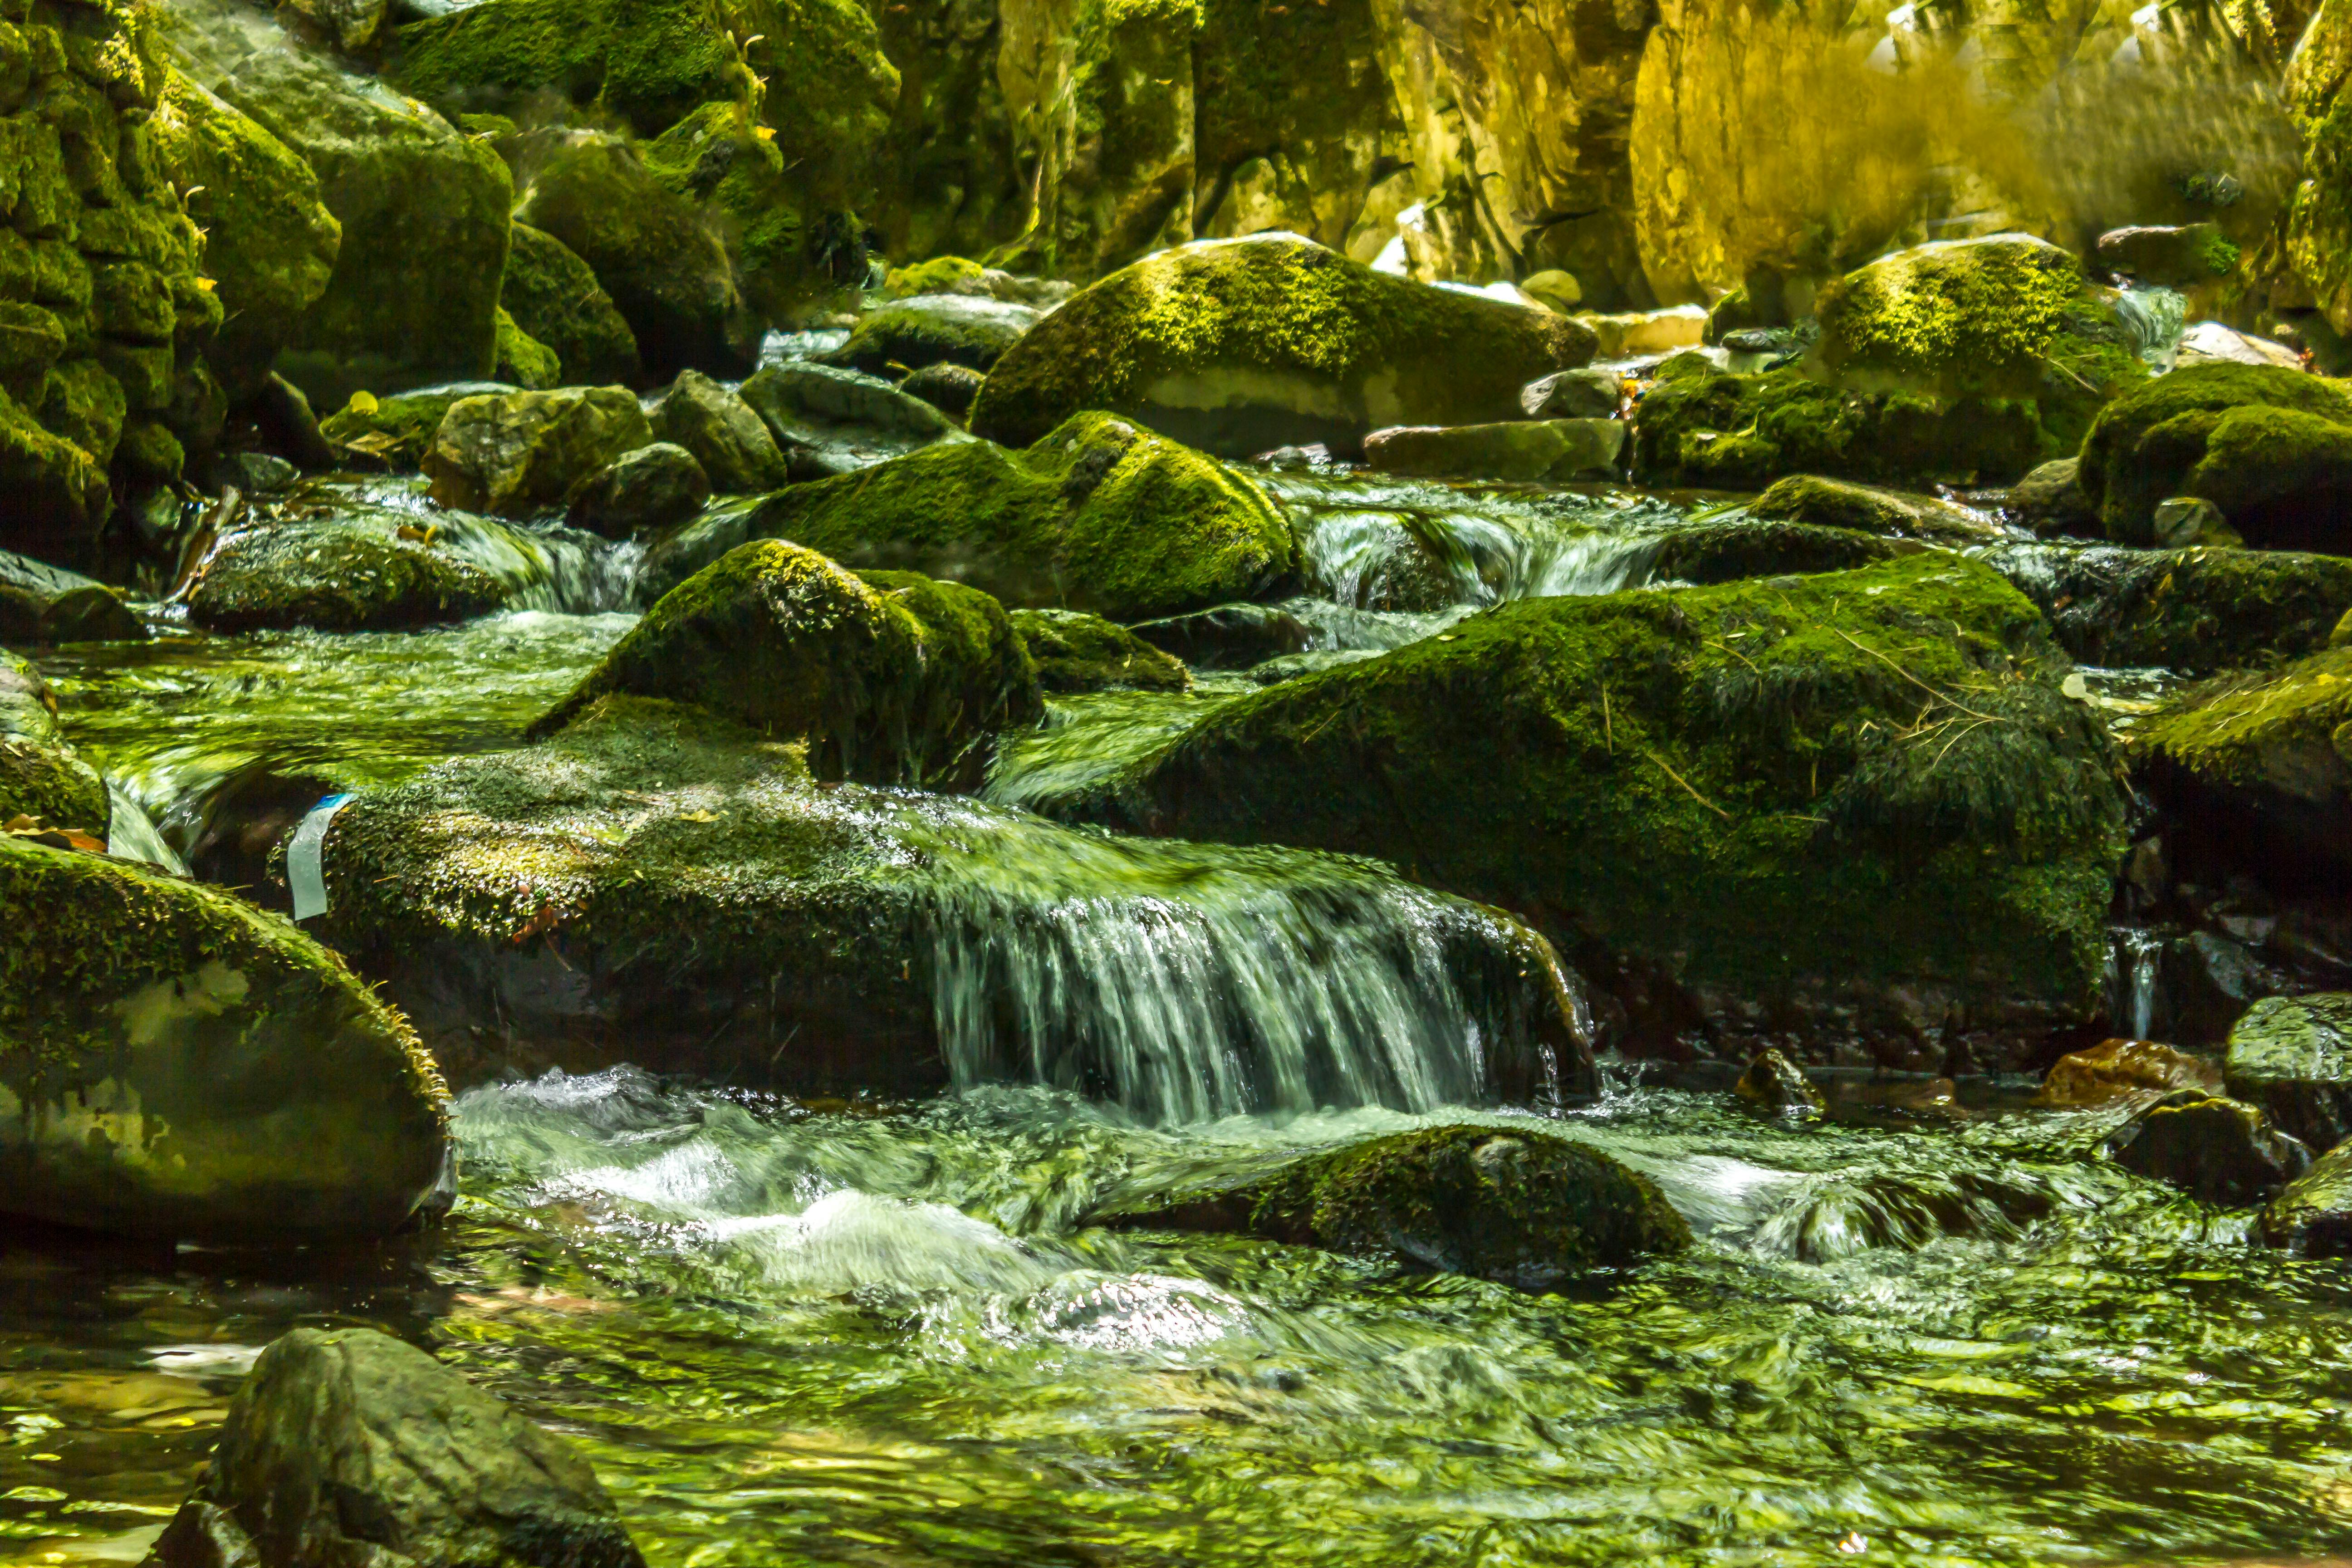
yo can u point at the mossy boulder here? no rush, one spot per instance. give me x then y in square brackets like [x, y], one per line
[1890, 514]
[658, 256]
[1518, 450]
[1519, 1206]
[2264, 762]
[554, 296]
[1729, 550]
[521, 453]
[887, 677]
[270, 243]
[341, 571]
[1240, 346]
[1076, 652]
[350, 1445]
[174, 1063]
[654, 487]
[2049, 502]
[395, 432]
[53, 494]
[2291, 1056]
[2193, 611]
[835, 421]
[1098, 515]
[1906, 832]
[1962, 318]
[932, 329]
[727, 437]
[792, 249]
[2272, 447]
[522, 360]
[2216, 1150]
[949, 389]
[40, 776]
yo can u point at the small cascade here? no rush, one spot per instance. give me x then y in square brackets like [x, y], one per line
[1186, 982]
[2135, 971]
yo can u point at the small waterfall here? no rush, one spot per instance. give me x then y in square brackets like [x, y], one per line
[1189, 982]
[2135, 969]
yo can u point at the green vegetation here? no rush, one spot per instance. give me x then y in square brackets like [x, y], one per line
[2155, 443]
[338, 574]
[1075, 652]
[554, 296]
[1959, 317]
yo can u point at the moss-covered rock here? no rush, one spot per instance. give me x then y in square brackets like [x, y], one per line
[933, 329]
[343, 571]
[658, 256]
[43, 603]
[2263, 761]
[1890, 514]
[1076, 652]
[1774, 1083]
[653, 487]
[1905, 832]
[2169, 256]
[522, 360]
[521, 453]
[727, 437]
[792, 250]
[2193, 611]
[53, 494]
[1702, 426]
[40, 776]
[2272, 447]
[889, 677]
[554, 296]
[269, 243]
[949, 389]
[175, 1063]
[856, 419]
[1522, 1207]
[2049, 502]
[1518, 450]
[2291, 1056]
[2310, 1216]
[1099, 515]
[1241, 346]
[395, 432]
[2216, 1150]
[1962, 318]
[1729, 550]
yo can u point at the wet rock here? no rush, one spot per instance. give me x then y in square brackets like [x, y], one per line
[53, 494]
[2190, 611]
[2310, 1216]
[1484, 761]
[651, 487]
[933, 329]
[1532, 450]
[2215, 1150]
[1636, 334]
[2120, 1069]
[1313, 661]
[2185, 521]
[2272, 447]
[891, 677]
[351, 1447]
[2049, 502]
[44, 603]
[356, 570]
[2291, 1056]
[521, 453]
[554, 296]
[1075, 652]
[1523, 1208]
[522, 360]
[254, 473]
[1239, 346]
[949, 389]
[1099, 515]
[2211, 343]
[395, 432]
[1230, 637]
[735, 449]
[1586, 393]
[40, 776]
[2168, 257]
[1832, 503]
[1772, 1083]
[174, 1063]
[1726, 552]
[2263, 762]
[812, 404]
[281, 412]
[348, 26]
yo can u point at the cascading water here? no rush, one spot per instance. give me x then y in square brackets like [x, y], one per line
[2134, 973]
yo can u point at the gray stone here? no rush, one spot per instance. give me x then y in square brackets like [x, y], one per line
[930, 328]
[1530, 451]
[2167, 256]
[1585, 394]
[2183, 522]
[653, 487]
[2293, 1056]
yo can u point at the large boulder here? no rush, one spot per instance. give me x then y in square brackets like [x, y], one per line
[2191, 611]
[889, 677]
[1906, 832]
[933, 329]
[2262, 763]
[2270, 447]
[1890, 514]
[395, 432]
[40, 776]
[554, 296]
[1522, 1207]
[1098, 515]
[2216, 1150]
[175, 1063]
[521, 453]
[1961, 318]
[45, 604]
[341, 571]
[1239, 346]
[733, 445]
[656, 254]
[351, 1447]
[2291, 1056]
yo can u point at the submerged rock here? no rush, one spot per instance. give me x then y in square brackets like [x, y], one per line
[1906, 832]
[829, 421]
[2120, 1069]
[2312, 1214]
[521, 453]
[351, 1447]
[2291, 1056]
[1833, 503]
[1772, 1083]
[889, 677]
[1075, 652]
[2215, 1150]
[1240, 346]
[720, 430]
[44, 603]
[175, 1063]
[1523, 1208]
[651, 487]
[1528, 450]
[1098, 516]
[40, 776]
[910, 335]
[2191, 611]
[344, 570]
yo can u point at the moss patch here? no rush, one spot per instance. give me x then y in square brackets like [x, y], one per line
[1957, 317]
[2147, 446]
[1076, 652]
[554, 296]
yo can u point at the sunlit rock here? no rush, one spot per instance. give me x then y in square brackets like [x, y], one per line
[2293, 1056]
[1528, 450]
[521, 453]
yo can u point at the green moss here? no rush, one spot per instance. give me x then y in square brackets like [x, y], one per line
[337, 573]
[2144, 446]
[1726, 552]
[889, 677]
[522, 360]
[1098, 515]
[1890, 514]
[39, 775]
[1959, 317]
[762, 204]
[1075, 652]
[395, 431]
[554, 296]
[940, 275]
[1382, 350]
[2193, 611]
[53, 494]
[1872, 774]
[2242, 729]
